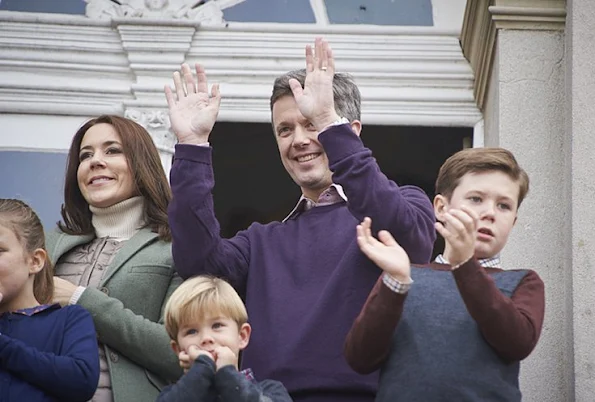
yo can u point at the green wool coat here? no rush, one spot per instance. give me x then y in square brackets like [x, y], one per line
[127, 310]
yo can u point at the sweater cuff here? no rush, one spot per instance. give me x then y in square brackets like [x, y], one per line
[470, 265]
[76, 295]
[206, 361]
[459, 265]
[339, 142]
[195, 153]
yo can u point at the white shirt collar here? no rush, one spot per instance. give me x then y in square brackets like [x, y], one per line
[296, 210]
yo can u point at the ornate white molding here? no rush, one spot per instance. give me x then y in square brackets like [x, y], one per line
[208, 13]
[156, 122]
[483, 19]
[55, 64]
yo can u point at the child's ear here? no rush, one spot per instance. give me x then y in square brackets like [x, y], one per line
[175, 347]
[245, 331]
[38, 259]
[440, 206]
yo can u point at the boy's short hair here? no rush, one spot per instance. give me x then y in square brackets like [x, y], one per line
[480, 160]
[200, 297]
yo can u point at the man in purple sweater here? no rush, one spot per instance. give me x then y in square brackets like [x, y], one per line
[305, 279]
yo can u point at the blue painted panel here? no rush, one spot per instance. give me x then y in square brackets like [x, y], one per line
[293, 11]
[45, 6]
[380, 12]
[36, 178]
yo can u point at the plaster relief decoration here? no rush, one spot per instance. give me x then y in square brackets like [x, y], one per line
[156, 122]
[208, 12]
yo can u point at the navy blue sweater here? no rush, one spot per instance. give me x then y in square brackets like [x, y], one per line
[305, 279]
[203, 383]
[438, 353]
[48, 354]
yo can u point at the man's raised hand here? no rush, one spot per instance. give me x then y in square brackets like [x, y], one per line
[315, 100]
[192, 111]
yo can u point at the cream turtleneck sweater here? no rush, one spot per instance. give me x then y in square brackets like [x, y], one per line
[121, 221]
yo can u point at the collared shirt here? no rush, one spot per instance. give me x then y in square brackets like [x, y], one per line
[34, 310]
[492, 262]
[330, 196]
[402, 288]
[249, 374]
[396, 285]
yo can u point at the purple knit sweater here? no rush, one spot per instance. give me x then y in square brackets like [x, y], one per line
[305, 280]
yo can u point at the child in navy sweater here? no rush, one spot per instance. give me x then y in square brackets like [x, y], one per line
[207, 323]
[47, 353]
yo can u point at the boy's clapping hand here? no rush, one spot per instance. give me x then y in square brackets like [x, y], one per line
[460, 235]
[384, 252]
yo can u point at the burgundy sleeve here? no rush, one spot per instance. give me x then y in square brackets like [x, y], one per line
[512, 326]
[369, 339]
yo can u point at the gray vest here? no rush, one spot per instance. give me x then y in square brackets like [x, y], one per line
[438, 353]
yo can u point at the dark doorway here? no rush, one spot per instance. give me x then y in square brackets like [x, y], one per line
[252, 185]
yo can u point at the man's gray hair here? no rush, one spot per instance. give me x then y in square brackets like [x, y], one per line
[345, 93]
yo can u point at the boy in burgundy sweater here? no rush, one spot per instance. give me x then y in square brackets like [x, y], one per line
[457, 329]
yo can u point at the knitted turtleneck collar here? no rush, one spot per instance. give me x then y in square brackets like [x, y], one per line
[120, 221]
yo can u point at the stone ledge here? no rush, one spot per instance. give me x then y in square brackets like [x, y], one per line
[482, 22]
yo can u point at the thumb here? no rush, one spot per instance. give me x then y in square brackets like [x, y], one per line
[216, 93]
[387, 239]
[296, 88]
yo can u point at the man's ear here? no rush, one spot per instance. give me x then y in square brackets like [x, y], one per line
[356, 126]
[38, 259]
[245, 331]
[440, 206]
[175, 347]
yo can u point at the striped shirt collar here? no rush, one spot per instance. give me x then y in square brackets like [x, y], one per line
[330, 196]
[493, 262]
[34, 310]
[249, 374]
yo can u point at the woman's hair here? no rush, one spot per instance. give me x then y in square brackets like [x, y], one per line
[199, 298]
[24, 222]
[145, 166]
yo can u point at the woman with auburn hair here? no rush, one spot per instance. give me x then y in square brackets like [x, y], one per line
[113, 254]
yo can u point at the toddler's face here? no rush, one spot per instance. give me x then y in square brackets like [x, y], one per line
[211, 333]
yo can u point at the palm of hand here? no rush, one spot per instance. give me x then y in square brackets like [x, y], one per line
[391, 259]
[314, 102]
[193, 115]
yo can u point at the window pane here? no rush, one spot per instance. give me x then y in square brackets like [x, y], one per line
[45, 6]
[380, 12]
[296, 11]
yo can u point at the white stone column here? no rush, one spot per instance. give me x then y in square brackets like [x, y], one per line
[148, 108]
[156, 122]
[516, 48]
[579, 128]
